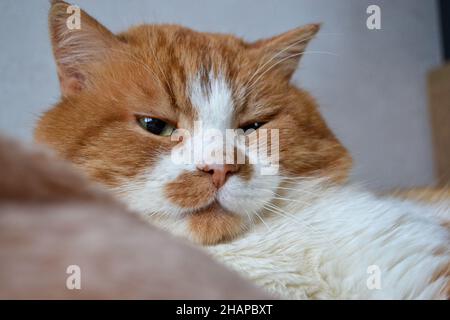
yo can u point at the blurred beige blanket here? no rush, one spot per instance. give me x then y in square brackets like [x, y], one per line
[52, 218]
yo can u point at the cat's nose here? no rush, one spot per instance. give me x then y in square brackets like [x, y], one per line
[219, 172]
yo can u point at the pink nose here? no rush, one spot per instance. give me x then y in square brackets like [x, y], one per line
[219, 172]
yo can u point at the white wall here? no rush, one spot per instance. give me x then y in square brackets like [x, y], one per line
[372, 92]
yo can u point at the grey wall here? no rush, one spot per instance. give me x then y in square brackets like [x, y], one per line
[371, 90]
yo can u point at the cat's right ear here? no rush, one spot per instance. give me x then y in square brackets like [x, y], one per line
[77, 40]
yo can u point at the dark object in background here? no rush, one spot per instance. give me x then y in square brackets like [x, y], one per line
[439, 108]
[439, 101]
[445, 27]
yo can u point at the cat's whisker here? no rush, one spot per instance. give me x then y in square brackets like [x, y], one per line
[299, 178]
[260, 67]
[251, 87]
[291, 200]
[297, 189]
[154, 214]
[249, 217]
[266, 207]
[262, 220]
[277, 196]
[279, 211]
[320, 234]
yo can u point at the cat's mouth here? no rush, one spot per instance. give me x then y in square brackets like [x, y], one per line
[214, 224]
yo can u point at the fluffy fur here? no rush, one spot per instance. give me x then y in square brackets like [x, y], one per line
[322, 246]
[301, 233]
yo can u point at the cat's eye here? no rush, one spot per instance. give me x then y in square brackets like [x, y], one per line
[252, 125]
[156, 126]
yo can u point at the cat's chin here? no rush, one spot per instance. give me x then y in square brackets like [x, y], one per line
[214, 225]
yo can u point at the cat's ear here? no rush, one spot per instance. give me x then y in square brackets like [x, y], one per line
[77, 40]
[283, 52]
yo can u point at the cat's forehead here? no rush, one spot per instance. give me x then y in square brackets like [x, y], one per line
[181, 47]
[188, 54]
[169, 35]
[204, 74]
[212, 99]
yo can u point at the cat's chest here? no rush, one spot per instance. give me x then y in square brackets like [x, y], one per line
[328, 249]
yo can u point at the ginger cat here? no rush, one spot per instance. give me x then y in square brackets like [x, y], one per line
[301, 232]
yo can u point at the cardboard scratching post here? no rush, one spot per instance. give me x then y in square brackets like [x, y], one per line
[439, 105]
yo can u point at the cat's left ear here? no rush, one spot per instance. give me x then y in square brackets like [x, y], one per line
[283, 52]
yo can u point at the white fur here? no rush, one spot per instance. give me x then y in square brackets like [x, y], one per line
[145, 193]
[212, 101]
[321, 248]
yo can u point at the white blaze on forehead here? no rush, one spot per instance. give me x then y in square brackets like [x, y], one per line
[212, 100]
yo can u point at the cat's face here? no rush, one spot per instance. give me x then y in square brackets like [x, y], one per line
[124, 95]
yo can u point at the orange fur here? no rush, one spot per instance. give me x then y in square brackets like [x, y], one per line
[426, 194]
[214, 225]
[182, 193]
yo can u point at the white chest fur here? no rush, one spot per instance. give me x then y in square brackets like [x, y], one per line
[345, 244]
